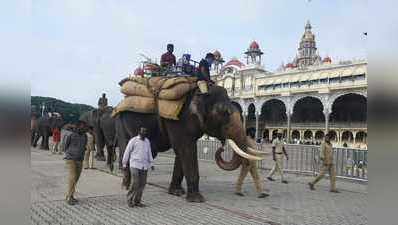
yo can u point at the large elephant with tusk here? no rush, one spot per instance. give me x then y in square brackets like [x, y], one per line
[212, 114]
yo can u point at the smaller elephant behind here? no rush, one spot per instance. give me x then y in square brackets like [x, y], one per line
[104, 130]
[42, 128]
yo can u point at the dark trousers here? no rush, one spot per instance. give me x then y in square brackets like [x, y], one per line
[137, 186]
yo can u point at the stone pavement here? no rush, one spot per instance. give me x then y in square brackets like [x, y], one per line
[102, 201]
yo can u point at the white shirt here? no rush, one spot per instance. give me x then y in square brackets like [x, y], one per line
[138, 153]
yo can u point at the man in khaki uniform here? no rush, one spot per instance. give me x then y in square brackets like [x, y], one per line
[278, 151]
[327, 165]
[246, 167]
[90, 148]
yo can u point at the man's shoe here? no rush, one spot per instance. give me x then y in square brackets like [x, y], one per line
[203, 94]
[70, 202]
[131, 205]
[239, 193]
[270, 179]
[262, 195]
[334, 191]
[73, 199]
[311, 185]
[139, 204]
[285, 182]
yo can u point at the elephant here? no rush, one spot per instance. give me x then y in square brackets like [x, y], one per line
[104, 129]
[33, 128]
[213, 114]
[42, 128]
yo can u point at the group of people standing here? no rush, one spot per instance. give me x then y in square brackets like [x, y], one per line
[279, 154]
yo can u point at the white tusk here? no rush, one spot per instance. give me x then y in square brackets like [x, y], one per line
[258, 153]
[242, 153]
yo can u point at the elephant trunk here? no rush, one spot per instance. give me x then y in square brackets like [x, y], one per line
[239, 143]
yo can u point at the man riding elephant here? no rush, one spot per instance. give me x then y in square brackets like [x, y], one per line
[204, 73]
[102, 102]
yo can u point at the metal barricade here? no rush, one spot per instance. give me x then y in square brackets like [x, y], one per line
[303, 159]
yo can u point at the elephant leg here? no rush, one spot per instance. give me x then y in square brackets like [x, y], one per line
[121, 153]
[189, 159]
[32, 138]
[110, 157]
[35, 139]
[100, 156]
[178, 175]
[46, 142]
[42, 143]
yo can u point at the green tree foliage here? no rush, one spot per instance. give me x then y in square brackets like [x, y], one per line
[69, 111]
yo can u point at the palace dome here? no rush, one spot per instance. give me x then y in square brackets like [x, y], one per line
[327, 59]
[254, 46]
[290, 65]
[234, 62]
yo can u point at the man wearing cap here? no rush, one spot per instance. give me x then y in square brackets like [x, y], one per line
[327, 165]
[168, 59]
[278, 151]
[204, 73]
[75, 146]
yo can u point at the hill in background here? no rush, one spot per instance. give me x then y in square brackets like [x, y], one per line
[69, 111]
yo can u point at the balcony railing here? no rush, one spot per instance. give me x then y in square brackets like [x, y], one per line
[310, 125]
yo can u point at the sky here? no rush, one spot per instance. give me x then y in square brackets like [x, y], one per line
[80, 49]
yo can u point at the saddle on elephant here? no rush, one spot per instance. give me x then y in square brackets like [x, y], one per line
[163, 95]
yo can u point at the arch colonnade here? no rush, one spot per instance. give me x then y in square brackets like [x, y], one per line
[307, 117]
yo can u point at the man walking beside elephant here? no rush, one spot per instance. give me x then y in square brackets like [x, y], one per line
[246, 167]
[138, 157]
[75, 145]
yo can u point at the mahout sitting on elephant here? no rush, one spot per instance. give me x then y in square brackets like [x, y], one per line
[213, 114]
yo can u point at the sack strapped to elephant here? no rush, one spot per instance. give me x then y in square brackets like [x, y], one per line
[176, 116]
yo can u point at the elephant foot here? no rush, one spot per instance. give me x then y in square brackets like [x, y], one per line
[100, 158]
[195, 197]
[176, 191]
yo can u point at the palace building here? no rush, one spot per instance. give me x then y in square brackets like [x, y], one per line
[304, 98]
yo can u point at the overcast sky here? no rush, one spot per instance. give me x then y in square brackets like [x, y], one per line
[84, 48]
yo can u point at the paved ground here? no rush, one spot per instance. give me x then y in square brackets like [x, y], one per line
[102, 201]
